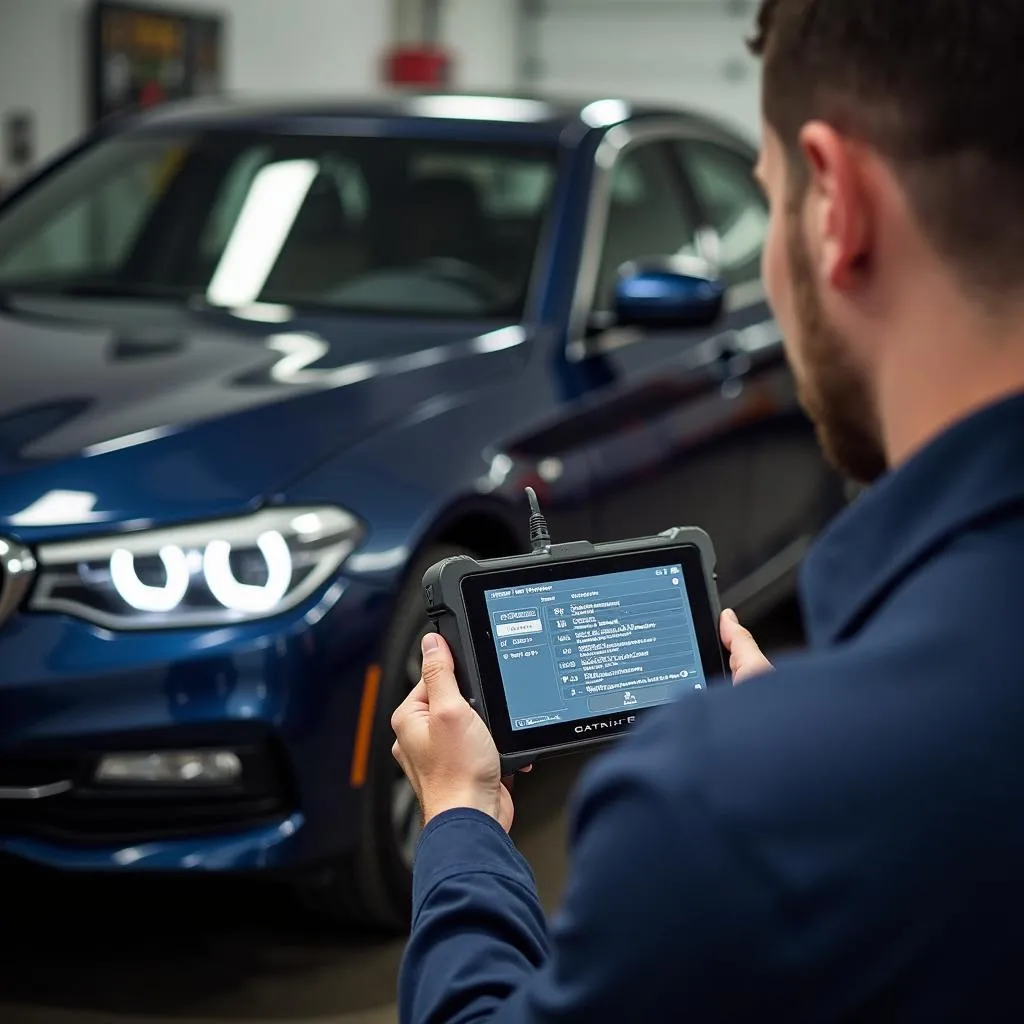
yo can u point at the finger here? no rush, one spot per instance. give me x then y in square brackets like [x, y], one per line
[396, 753]
[508, 780]
[417, 698]
[746, 658]
[439, 672]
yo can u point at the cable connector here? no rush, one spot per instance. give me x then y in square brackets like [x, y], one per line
[540, 536]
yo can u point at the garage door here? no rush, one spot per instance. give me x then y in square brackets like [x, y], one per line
[690, 52]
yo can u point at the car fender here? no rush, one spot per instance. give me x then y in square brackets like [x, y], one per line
[424, 485]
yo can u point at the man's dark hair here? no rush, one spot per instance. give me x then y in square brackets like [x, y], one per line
[936, 87]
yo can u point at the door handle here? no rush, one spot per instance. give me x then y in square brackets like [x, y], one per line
[731, 360]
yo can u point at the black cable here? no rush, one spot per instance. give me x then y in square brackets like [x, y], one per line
[540, 536]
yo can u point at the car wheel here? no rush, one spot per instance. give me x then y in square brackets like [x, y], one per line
[373, 884]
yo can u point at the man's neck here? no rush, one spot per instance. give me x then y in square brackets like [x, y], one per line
[946, 366]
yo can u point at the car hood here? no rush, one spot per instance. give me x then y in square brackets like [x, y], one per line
[117, 412]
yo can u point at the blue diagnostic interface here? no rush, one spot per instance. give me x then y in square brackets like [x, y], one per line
[573, 649]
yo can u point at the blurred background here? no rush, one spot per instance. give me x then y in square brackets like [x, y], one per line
[296, 297]
[648, 49]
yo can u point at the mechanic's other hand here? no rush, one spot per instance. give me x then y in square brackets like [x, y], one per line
[444, 747]
[746, 658]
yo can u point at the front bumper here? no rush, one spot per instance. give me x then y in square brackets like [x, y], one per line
[268, 847]
[283, 694]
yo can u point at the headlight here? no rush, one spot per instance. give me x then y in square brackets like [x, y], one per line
[204, 574]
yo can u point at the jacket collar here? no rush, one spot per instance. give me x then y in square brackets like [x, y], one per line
[972, 471]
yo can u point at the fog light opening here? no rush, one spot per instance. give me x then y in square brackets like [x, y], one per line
[170, 768]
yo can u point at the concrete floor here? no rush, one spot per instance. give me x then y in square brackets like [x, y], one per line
[196, 951]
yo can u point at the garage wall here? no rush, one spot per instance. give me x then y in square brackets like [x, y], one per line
[42, 69]
[305, 46]
[682, 51]
[688, 51]
[481, 35]
[273, 46]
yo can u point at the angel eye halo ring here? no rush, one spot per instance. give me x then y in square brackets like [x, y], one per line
[200, 574]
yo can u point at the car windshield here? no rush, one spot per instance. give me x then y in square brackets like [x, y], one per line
[369, 225]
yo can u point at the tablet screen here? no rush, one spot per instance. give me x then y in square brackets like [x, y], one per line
[577, 648]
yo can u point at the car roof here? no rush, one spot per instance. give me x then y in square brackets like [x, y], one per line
[444, 113]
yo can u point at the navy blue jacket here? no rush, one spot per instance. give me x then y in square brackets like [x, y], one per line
[840, 840]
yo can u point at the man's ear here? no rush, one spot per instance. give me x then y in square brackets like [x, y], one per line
[839, 210]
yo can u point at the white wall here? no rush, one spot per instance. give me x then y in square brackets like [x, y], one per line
[42, 68]
[297, 47]
[272, 46]
[481, 35]
[690, 52]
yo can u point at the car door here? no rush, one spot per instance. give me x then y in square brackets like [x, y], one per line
[666, 453]
[790, 491]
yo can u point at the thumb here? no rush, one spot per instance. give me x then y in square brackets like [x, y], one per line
[438, 671]
[746, 658]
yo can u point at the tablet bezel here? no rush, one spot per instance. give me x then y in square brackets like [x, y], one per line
[474, 586]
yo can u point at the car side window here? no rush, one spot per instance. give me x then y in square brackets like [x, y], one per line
[92, 233]
[649, 214]
[725, 184]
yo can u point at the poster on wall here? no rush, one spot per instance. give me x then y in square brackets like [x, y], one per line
[141, 56]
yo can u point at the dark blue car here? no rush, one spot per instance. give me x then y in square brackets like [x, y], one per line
[262, 365]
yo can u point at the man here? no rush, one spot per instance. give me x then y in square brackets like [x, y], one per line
[843, 838]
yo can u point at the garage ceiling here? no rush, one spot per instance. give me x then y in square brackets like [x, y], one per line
[684, 51]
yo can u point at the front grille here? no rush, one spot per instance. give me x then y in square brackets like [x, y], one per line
[102, 815]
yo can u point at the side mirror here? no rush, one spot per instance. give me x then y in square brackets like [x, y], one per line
[679, 292]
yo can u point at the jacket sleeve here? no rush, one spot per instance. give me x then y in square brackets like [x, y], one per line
[640, 935]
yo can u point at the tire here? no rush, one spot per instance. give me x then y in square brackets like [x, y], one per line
[372, 885]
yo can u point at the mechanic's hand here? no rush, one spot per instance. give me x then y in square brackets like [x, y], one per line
[443, 745]
[746, 659]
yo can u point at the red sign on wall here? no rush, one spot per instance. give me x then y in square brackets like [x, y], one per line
[418, 66]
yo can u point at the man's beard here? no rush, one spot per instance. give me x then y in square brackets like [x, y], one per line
[832, 390]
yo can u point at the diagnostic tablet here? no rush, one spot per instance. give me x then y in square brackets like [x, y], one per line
[573, 644]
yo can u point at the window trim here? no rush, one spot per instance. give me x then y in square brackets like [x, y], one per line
[680, 185]
[617, 142]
